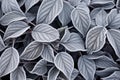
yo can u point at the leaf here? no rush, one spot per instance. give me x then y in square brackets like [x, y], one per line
[106, 72]
[74, 74]
[81, 19]
[114, 39]
[10, 5]
[113, 19]
[96, 38]
[40, 67]
[105, 62]
[45, 33]
[74, 2]
[118, 4]
[53, 73]
[64, 62]
[18, 74]
[105, 4]
[15, 29]
[48, 53]
[49, 10]
[32, 51]
[114, 76]
[101, 18]
[30, 17]
[74, 43]
[64, 16]
[9, 61]
[30, 3]
[11, 17]
[86, 67]
[21, 2]
[2, 45]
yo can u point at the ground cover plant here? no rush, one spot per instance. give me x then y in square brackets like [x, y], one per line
[59, 39]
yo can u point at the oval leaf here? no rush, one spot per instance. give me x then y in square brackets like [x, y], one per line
[40, 68]
[18, 74]
[87, 68]
[11, 17]
[53, 73]
[10, 5]
[32, 51]
[81, 19]
[45, 33]
[49, 10]
[2, 45]
[114, 39]
[64, 16]
[9, 61]
[95, 39]
[48, 53]
[64, 62]
[15, 29]
[74, 43]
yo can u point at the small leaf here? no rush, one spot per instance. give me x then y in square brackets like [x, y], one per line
[74, 74]
[86, 67]
[2, 45]
[118, 4]
[114, 39]
[9, 61]
[105, 62]
[15, 29]
[74, 43]
[40, 67]
[53, 73]
[45, 33]
[101, 18]
[10, 5]
[49, 10]
[113, 19]
[30, 3]
[48, 53]
[11, 17]
[96, 38]
[74, 2]
[64, 16]
[64, 62]
[114, 76]
[32, 51]
[18, 74]
[81, 19]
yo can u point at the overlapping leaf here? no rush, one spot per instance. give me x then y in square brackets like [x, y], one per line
[64, 62]
[2, 45]
[15, 29]
[49, 10]
[9, 61]
[45, 33]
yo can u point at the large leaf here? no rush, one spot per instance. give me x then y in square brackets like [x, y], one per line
[9, 61]
[64, 16]
[11, 17]
[113, 19]
[32, 51]
[96, 38]
[48, 53]
[49, 10]
[101, 18]
[18, 74]
[86, 67]
[40, 68]
[15, 29]
[64, 62]
[105, 4]
[30, 3]
[53, 73]
[81, 19]
[10, 5]
[114, 39]
[114, 76]
[74, 43]
[45, 33]
[2, 45]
